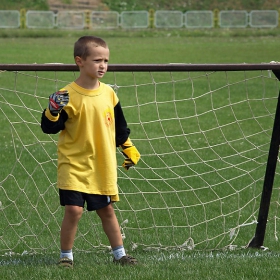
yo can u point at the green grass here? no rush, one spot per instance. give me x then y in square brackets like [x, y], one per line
[226, 193]
[163, 265]
[151, 46]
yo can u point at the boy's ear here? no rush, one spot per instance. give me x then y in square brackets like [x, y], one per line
[78, 60]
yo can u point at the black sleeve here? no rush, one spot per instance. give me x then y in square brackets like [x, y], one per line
[50, 127]
[122, 131]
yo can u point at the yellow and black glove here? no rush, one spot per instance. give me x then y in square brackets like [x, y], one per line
[131, 153]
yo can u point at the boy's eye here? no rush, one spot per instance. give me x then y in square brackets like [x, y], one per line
[100, 60]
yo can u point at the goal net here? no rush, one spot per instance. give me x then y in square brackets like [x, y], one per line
[204, 138]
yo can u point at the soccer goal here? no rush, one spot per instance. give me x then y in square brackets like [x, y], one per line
[208, 136]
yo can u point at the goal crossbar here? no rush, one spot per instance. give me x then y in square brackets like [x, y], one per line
[172, 67]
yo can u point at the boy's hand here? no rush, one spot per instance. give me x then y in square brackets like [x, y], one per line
[58, 100]
[127, 163]
[131, 153]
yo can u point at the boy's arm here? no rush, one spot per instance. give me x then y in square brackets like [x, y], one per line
[53, 124]
[122, 139]
[122, 131]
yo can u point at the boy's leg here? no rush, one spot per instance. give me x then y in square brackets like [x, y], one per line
[112, 229]
[110, 225]
[72, 215]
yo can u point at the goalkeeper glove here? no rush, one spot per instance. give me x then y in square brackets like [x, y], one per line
[131, 153]
[58, 100]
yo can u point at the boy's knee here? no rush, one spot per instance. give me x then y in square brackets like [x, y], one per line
[73, 211]
[106, 212]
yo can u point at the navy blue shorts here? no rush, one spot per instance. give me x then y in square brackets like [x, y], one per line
[94, 201]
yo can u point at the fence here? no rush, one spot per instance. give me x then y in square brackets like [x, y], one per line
[138, 19]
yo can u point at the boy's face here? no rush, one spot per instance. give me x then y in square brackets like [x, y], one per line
[96, 64]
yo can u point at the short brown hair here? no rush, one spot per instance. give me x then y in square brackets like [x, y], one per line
[81, 46]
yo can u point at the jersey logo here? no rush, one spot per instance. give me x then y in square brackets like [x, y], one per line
[108, 117]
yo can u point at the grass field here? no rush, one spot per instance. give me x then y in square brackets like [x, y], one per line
[210, 46]
[150, 203]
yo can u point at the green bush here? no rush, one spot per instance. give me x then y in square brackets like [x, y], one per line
[132, 5]
[27, 4]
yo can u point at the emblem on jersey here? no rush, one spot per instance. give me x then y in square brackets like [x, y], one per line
[108, 117]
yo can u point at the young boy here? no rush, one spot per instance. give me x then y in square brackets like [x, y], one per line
[89, 115]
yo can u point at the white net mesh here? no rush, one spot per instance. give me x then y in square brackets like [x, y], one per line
[204, 140]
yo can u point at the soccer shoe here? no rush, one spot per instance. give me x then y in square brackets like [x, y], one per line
[126, 260]
[65, 262]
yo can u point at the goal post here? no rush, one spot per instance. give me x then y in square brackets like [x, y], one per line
[208, 177]
[258, 239]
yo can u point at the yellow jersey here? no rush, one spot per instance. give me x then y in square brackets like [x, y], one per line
[87, 140]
